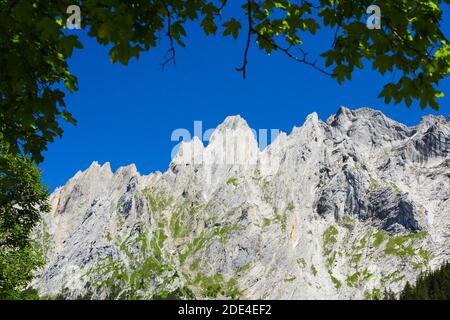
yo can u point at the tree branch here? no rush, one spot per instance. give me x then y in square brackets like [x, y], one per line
[170, 55]
[243, 69]
[292, 56]
[339, 23]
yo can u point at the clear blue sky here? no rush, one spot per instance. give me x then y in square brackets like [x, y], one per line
[126, 114]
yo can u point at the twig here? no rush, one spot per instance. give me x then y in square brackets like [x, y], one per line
[335, 8]
[292, 56]
[243, 69]
[170, 55]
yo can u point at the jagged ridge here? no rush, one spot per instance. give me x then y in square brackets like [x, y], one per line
[334, 210]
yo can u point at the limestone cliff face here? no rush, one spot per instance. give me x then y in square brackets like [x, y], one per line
[341, 209]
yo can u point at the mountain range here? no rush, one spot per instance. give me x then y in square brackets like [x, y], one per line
[339, 209]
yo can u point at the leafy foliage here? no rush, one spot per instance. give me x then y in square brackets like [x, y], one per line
[35, 47]
[34, 52]
[22, 198]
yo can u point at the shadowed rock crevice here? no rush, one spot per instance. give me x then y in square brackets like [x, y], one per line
[393, 210]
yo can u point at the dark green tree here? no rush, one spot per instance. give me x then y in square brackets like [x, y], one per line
[431, 285]
[389, 295]
[22, 199]
[407, 292]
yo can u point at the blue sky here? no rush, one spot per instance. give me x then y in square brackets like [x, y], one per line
[126, 114]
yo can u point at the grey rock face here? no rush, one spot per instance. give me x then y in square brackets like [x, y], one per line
[393, 210]
[341, 209]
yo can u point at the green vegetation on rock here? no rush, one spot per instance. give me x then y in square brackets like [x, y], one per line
[290, 278]
[403, 245]
[356, 279]
[222, 232]
[215, 286]
[232, 181]
[374, 294]
[266, 222]
[314, 270]
[330, 235]
[374, 184]
[378, 238]
[301, 263]
[157, 201]
[392, 278]
[244, 268]
[337, 284]
[395, 187]
[282, 220]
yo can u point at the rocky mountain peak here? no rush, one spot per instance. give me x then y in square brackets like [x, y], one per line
[233, 122]
[190, 152]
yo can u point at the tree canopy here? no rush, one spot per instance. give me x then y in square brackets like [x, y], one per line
[431, 285]
[35, 46]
